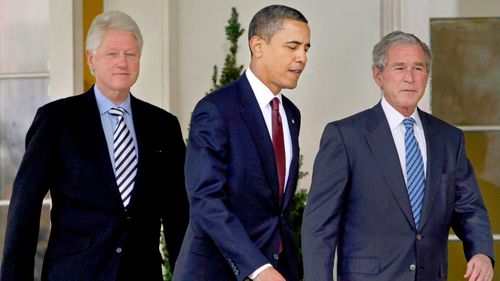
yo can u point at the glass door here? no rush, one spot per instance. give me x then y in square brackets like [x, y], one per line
[466, 93]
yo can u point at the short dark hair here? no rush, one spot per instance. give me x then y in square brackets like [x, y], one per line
[268, 21]
[380, 50]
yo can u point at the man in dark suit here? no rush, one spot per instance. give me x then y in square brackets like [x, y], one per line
[242, 162]
[389, 182]
[114, 167]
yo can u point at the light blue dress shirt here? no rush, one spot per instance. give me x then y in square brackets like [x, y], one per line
[109, 122]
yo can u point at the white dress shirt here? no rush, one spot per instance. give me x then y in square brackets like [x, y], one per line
[398, 129]
[264, 97]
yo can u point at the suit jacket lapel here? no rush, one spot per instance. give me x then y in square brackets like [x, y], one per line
[435, 148]
[252, 115]
[140, 133]
[381, 143]
[99, 150]
[294, 134]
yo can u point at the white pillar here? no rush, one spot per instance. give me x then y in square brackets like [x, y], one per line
[65, 48]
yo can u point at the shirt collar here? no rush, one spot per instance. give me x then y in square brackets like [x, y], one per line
[104, 104]
[261, 91]
[395, 118]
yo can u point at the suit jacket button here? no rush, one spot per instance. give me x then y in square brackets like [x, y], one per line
[419, 236]
[412, 267]
[118, 250]
[276, 256]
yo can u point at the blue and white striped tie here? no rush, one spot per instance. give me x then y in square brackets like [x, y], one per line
[415, 179]
[125, 156]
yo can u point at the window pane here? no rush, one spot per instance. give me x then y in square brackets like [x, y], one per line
[483, 149]
[43, 236]
[24, 35]
[466, 70]
[19, 99]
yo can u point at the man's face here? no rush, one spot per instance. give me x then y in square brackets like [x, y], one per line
[404, 78]
[115, 62]
[284, 57]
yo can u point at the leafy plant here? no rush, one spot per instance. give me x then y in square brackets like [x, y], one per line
[167, 271]
[231, 71]
[297, 210]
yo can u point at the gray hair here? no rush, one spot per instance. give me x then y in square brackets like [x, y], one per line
[268, 21]
[380, 50]
[111, 20]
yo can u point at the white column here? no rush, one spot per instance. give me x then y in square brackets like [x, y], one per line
[65, 48]
[390, 16]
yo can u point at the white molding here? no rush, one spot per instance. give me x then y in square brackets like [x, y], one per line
[390, 18]
[480, 128]
[25, 75]
[62, 48]
[167, 100]
[5, 203]
[78, 46]
[454, 238]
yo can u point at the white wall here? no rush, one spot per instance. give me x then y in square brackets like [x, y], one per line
[337, 81]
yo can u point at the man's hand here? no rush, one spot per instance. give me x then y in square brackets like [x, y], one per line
[479, 268]
[269, 274]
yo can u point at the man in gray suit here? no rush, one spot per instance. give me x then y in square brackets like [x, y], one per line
[389, 182]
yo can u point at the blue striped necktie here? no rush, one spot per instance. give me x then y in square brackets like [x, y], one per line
[125, 156]
[415, 179]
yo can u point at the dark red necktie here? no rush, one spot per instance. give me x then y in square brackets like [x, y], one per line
[279, 150]
[279, 145]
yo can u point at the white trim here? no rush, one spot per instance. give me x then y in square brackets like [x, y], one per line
[78, 47]
[62, 48]
[25, 75]
[5, 203]
[168, 102]
[480, 128]
[454, 238]
[390, 19]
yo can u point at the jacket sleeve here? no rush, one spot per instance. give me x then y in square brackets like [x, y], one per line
[30, 186]
[176, 216]
[206, 177]
[322, 215]
[470, 218]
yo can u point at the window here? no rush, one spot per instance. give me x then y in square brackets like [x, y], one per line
[466, 93]
[24, 84]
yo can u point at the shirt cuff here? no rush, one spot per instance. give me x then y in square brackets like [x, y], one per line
[259, 270]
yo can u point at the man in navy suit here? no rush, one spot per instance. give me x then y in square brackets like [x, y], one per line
[389, 182]
[242, 162]
[107, 206]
